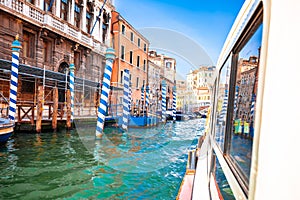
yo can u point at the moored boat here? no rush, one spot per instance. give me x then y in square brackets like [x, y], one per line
[6, 130]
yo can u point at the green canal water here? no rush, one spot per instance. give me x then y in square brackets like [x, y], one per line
[138, 164]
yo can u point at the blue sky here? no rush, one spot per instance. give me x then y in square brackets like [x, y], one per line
[206, 22]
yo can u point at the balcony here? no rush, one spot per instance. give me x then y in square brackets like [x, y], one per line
[34, 15]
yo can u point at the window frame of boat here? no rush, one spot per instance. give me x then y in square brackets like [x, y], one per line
[254, 23]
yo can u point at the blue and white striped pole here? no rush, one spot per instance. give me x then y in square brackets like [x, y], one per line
[224, 106]
[174, 103]
[142, 94]
[252, 110]
[105, 89]
[129, 97]
[252, 107]
[147, 95]
[126, 100]
[163, 100]
[16, 46]
[72, 77]
[142, 99]
[236, 100]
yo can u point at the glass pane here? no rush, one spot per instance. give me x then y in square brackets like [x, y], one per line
[222, 101]
[244, 102]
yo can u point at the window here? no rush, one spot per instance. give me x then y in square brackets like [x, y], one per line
[144, 83]
[145, 47]
[47, 4]
[236, 101]
[30, 1]
[121, 79]
[137, 82]
[77, 15]
[139, 42]
[168, 65]
[244, 104]
[64, 10]
[47, 51]
[27, 86]
[144, 66]
[222, 102]
[123, 29]
[130, 57]
[106, 18]
[131, 37]
[88, 21]
[122, 52]
[28, 44]
[138, 61]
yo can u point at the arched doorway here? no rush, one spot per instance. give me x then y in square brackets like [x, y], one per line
[63, 68]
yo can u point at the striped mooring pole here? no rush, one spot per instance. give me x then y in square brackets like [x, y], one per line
[252, 106]
[235, 101]
[129, 97]
[72, 68]
[105, 89]
[174, 103]
[16, 46]
[126, 100]
[147, 95]
[142, 94]
[142, 98]
[163, 100]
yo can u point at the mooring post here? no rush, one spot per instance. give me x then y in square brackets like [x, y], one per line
[142, 99]
[105, 90]
[40, 102]
[16, 46]
[174, 103]
[72, 77]
[129, 99]
[147, 99]
[55, 108]
[126, 100]
[69, 112]
[163, 100]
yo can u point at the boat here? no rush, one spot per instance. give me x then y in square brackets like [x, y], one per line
[248, 152]
[6, 130]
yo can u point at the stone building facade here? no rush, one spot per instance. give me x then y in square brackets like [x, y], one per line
[167, 72]
[53, 35]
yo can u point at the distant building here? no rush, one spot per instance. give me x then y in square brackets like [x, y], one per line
[198, 88]
[167, 72]
[181, 94]
[154, 81]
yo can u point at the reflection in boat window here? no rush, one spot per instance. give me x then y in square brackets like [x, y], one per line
[244, 102]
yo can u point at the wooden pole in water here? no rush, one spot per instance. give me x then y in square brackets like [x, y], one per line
[69, 112]
[39, 116]
[55, 108]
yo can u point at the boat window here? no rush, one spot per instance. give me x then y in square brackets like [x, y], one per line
[222, 102]
[244, 102]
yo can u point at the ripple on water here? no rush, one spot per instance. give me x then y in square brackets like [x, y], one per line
[138, 164]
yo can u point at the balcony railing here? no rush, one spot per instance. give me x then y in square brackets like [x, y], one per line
[52, 22]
